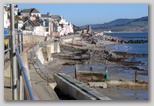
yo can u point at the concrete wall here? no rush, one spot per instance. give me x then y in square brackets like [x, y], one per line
[44, 50]
[87, 76]
[31, 39]
[7, 71]
[40, 56]
[70, 39]
[112, 83]
[70, 89]
[51, 46]
[47, 50]
[76, 89]
[56, 47]
[49, 56]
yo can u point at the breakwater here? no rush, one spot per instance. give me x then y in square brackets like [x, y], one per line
[116, 39]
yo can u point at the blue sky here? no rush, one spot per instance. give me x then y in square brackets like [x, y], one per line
[83, 14]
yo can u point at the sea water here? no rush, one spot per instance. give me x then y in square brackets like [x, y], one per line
[130, 35]
[131, 48]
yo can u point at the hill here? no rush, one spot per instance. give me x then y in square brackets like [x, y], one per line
[123, 25]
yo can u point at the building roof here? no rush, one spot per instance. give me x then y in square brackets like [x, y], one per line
[34, 23]
[45, 15]
[56, 17]
[31, 10]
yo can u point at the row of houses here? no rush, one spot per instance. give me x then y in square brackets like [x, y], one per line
[31, 21]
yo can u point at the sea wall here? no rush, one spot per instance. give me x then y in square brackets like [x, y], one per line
[32, 39]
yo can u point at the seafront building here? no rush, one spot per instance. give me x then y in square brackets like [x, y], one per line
[6, 17]
[32, 22]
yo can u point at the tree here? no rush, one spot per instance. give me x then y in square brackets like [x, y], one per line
[16, 25]
[23, 27]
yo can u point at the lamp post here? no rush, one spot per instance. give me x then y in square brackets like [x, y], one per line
[14, 71]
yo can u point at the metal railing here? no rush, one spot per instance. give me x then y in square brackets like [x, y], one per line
[28, 90]
[7, 50]
[27, 93]
[24, 90]
[21, 89]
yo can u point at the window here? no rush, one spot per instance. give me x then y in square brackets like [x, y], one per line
[47, 29]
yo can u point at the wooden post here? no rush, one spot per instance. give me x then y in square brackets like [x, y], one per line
[76, 69]
[136, 76]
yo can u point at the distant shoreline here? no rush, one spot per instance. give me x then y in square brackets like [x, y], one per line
[125, 32]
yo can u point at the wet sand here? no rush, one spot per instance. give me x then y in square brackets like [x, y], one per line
[115, 93]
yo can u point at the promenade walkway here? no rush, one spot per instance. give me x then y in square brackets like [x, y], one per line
[41, 90]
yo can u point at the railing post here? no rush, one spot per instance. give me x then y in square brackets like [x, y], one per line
[21, 89]
[14, 76]
[8, 53]
[28, 94]
[18, 42]
[22, 47]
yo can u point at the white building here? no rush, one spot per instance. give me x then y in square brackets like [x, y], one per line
[33, 27]
[16, 10]
[39, 30]
[6, 19]
[55, 21]
[32, 13]
[46, 16]
[47, 21]
[71, 28]
[66, 28]
[20, 24]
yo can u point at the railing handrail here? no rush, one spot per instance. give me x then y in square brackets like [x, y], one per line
[28, 89]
